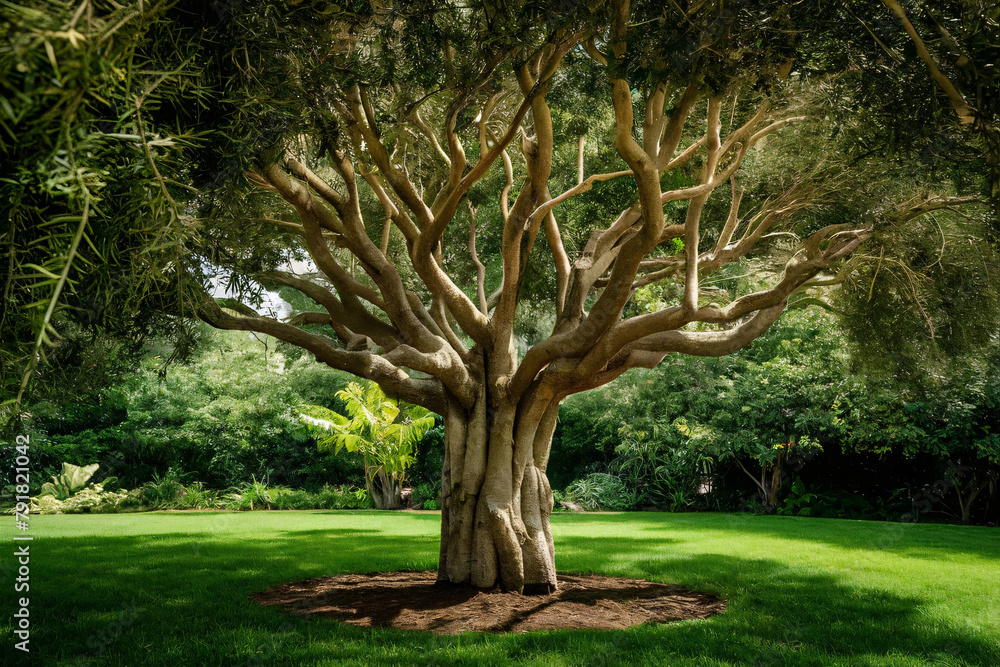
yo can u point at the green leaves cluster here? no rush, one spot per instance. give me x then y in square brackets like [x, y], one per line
[664, 432]
[93, 161]
[223, 417]
[378, 428]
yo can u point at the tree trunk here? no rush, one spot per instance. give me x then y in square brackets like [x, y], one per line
[771, 497]
[496, 499]
[386, 493]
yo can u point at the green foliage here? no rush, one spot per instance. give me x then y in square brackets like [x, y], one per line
[585, 438]
[680, 436]
[193, 496]
[94, 148]
[665, 431]
[384, 433]
[430, 457]
[799, 502]
[666, 471]
[427, 496]
[836, 503]
[164, 491]
[224, 416]
[93, 499]
[928, 300]
[70, 493]
[327, 498]
[253, 495]
[72, 480]
[602, 491]
[168, 493]
[949, 415]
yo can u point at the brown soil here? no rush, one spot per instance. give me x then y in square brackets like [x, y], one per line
[412, 601]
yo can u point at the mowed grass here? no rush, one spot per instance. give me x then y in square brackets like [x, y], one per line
[173, 589]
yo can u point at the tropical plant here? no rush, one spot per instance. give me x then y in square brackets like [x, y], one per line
[72, 479]
[381, 430]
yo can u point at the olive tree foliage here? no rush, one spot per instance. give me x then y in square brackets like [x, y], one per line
[462, 174]
[924, 293]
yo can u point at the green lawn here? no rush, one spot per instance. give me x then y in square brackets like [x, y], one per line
[172, 589]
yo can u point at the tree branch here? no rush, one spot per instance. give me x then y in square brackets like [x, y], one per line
[394, 381]
[692, 233]
[966, 114]
[480, 267]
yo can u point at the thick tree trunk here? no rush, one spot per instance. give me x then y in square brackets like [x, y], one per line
[496, 499]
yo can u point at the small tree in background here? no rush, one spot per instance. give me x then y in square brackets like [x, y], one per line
[385, 433]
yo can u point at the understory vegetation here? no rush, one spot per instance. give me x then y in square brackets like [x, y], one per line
[171, 493]
[787, 426]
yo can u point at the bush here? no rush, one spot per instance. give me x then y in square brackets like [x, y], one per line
[250, 496]
[292, 499]
[342, 498]
[196, 497]
[327, 498]
[601, 491]
[93, 499]
[163, 492]
[427, 494]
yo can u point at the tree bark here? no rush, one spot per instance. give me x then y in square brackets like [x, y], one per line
[496, 499]
[385, 491]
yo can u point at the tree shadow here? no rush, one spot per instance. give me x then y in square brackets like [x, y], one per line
[415, 600]
[794, 611]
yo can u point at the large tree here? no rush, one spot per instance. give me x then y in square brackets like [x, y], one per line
[430, 127]
[505, 203]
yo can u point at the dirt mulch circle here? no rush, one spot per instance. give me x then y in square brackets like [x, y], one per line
[412, 601]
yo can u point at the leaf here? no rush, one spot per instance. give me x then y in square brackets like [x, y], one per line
[352, 442]
[77, 476]
[41, 270]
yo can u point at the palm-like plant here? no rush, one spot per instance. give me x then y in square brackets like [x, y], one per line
[381, 430]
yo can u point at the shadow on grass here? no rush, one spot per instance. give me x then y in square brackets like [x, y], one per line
[183, 598]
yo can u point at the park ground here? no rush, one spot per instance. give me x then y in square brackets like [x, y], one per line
[175, 589]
